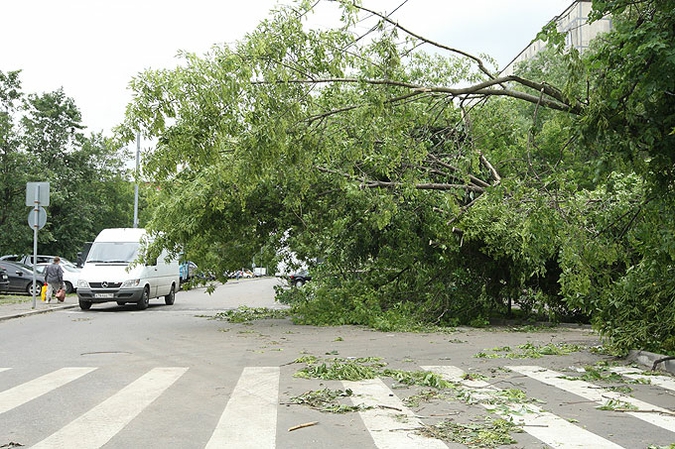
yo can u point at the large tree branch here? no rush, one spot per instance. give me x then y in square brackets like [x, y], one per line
[475, 180]
[375, 184]
[477, 60]
[553, 99]
[425, 186]
[493, 171]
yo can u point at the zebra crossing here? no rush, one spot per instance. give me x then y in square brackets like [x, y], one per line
[249, 418]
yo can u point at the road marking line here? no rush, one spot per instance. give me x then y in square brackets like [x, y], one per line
[544, 426]
[382, 423]
[28, 391]
[250, 416]
[96, 427]
[633, 373]
[647, 412]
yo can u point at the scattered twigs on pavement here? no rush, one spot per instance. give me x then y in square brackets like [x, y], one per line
[300, 426]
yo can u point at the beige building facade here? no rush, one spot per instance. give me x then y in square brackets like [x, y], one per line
[579, 33]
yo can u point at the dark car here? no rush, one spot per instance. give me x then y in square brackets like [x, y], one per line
[4, 280]
[21, 277]
[299, 278]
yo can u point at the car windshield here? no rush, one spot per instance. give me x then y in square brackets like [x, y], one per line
[113, 252]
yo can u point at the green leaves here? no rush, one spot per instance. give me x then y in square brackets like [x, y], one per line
[41, 139]
[426, 208]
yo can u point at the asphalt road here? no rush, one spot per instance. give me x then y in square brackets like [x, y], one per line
[171, 376]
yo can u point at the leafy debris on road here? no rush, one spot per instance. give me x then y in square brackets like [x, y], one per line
[492, 433]
[328, 401]
[245, 314]
[365, 368]
[529, 351]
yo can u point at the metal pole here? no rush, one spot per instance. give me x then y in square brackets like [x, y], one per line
[36, 225]
[138, 157]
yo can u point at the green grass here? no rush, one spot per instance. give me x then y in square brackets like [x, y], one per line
[16, 299]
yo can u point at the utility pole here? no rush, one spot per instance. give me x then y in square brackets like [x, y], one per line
[138, 158]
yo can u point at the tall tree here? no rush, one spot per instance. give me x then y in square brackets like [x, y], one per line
[42, 140]
[16, 166]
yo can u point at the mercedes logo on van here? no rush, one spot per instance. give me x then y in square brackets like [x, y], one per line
[104, 284]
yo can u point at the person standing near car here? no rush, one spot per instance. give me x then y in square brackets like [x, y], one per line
[53, 278]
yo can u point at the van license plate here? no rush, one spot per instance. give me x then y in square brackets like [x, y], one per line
[103, 295]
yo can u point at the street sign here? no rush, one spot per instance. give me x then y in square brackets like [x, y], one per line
[41, 217]
[41, 189]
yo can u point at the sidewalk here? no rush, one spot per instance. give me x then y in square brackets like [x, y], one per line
[16, 306]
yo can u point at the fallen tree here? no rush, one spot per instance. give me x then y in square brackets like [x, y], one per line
[433, 190]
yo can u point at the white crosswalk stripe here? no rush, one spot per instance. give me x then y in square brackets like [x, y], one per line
[647, 412]
[250, 417]
[384, 420]
[28, 391]
[546, 427]
[661, 381]
[100, 424]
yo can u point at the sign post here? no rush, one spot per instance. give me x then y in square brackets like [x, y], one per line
[37, 195]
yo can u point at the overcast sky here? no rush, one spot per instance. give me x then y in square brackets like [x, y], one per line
[92, 48]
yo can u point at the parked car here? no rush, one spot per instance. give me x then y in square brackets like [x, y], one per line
[299, 278]
[188, 270]
[21, 277]
[4, 280]
[238, 274]
[71, 275]
[28, 259]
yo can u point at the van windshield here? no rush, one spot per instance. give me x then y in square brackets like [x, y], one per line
[113, 252]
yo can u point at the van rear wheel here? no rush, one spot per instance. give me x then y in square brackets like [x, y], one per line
[171, 297]
[142, 303]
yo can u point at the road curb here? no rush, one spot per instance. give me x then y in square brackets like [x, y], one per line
[648, 358]
[35, 312]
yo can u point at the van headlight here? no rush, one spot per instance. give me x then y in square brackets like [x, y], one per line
[131, 283]
[82, 283]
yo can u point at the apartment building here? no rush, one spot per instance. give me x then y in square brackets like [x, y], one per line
[574, 22]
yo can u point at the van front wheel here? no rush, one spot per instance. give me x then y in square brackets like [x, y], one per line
[142, 303]
[171, 297]
[84, 305]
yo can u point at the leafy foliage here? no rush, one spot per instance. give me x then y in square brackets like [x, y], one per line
[41, 140]
[427, 203]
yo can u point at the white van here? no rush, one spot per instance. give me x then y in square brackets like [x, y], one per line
[109, 274]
